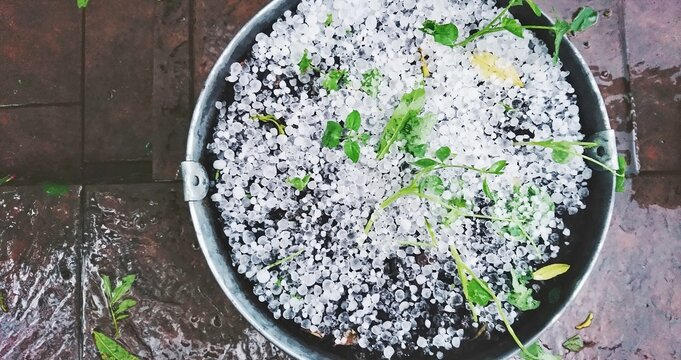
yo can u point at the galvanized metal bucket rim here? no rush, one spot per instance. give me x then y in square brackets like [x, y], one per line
[196, 187]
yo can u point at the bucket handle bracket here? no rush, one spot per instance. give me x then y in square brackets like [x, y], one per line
[195, 181]
[605, 152]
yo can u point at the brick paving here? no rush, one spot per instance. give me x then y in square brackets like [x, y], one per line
[101, 99]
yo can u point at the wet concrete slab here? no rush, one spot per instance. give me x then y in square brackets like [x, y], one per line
[654, 44]
[634, 290]
[39, 237]
[40, 52]
[182, 313]
[41, 144]
[118, 80]
[172, 97]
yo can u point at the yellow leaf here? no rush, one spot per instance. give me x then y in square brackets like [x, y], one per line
[424, 64]
[491, 66]
[586, 323]
[550, 271]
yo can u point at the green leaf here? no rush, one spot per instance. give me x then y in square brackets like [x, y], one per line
[371, 81]
[585, 18]
[352, 122]
[550, 271]
[109, 349]
[409, 107]
[521, 295]
[537, 351]
[443, 153]
[82, 3]
[334, 80]
[122, 317]
[304, 63]
[574, 343]
[352, 150]
[513, 230]
[329, 19]
[514, 3]
[513, 26]
[487, 191]
[299, 183]
[561, 154]
[534, 7]
[415, 133]
[425, 163]
[459, 202]
[477, 292]
[6, 179]
[432, 183]
[621, 169]
[364, 138]
[498, 167]
[53, 189]
[332, 134]
[416, 150]
[560, 28]
[124, 306]
[122, 288]
[445, 34]
[106, 286]
[3, 304]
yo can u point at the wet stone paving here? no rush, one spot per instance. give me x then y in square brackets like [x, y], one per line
[100, 99]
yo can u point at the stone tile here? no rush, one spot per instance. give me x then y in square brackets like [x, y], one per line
[182, 313]
[39, 236]
[118, 80]
[217, 21]
[171, 99]
[661, 190]
[40, 52]
[41, 143]
[654, 45]
[634, 290]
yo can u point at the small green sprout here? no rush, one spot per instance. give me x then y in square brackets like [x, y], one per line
[447, 33]
[116, 304]
[305, 63]
[443, 33]
[564, 151]
[351, 137]
[371, 81]
[335, 79]
[299, 183]
[521, 295]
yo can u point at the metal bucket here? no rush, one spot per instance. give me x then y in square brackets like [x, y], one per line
[588, 227]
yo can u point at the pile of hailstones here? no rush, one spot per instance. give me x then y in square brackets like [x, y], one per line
[333, 279]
